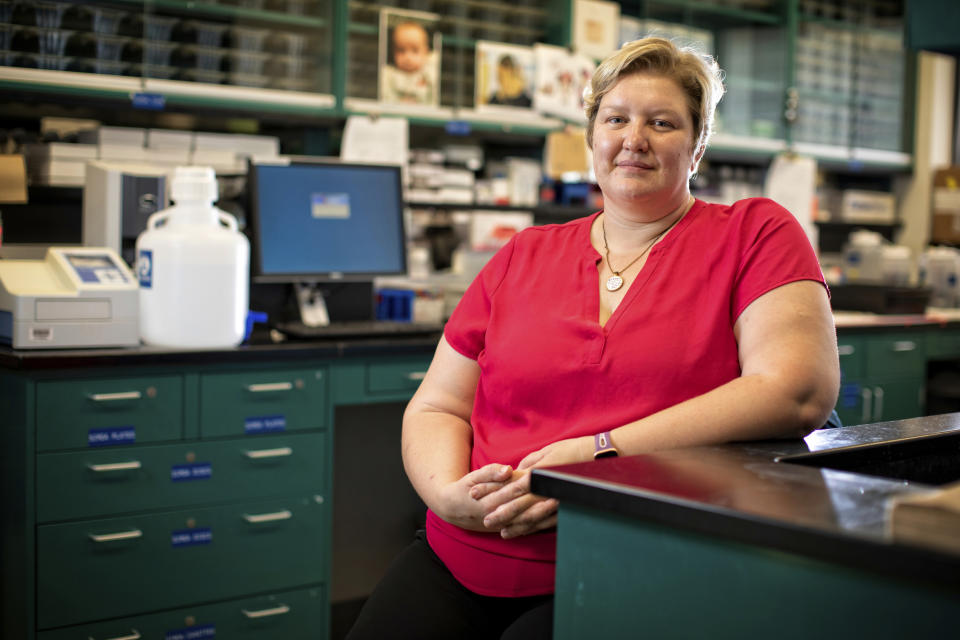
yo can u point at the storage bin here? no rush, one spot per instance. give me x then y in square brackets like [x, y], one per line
[248, 62]
[109, 67]
[53, 42]
[6, 36]
[110, 47]
[209, 77]
[248, 80]
[208, 34]
[106, 21]
[249, 39]
[206, 58]
[158, 27]
[157, 53]
[49, 14]
[53, 63]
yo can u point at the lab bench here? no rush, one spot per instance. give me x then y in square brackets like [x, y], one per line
[164, 493]
[784, 538]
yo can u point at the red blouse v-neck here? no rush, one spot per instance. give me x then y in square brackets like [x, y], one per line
[549, 371]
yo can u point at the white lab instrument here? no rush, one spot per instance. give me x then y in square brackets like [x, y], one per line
[74, 297]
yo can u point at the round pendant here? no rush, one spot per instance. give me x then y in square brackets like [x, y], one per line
[614, 283]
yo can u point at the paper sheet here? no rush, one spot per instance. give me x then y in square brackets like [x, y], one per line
[792, 183]
[378, 140]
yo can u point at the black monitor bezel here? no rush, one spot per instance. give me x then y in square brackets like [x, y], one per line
[254, 216]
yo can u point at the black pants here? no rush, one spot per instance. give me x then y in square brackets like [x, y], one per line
[419, 598]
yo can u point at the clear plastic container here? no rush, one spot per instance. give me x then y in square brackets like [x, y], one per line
[49, 14]
[157, 53]
[158, 27]
[209, 34]
[53, 42]
[6, 36]
[209, 77]
[106, 21]
[248, 62]
[6, 10]
[248, 80]
[53, 63]
[207, 58]
[109, 67]
[248, 38]
[110, 47]
[291, 44]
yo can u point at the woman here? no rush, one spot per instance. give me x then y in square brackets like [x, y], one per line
[660, 322]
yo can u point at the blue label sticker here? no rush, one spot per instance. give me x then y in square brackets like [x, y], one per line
[191, 537]
[192, 633]
[145, 268]
[187, 472]
[264, 424]
[458, 128]
[111, 436]
[151, 101]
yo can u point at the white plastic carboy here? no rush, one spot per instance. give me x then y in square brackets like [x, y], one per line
[193, 267]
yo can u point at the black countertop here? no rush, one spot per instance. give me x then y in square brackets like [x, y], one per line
[45, 359]
[771, 493]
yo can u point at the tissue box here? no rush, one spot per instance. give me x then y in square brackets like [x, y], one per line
[868, 206]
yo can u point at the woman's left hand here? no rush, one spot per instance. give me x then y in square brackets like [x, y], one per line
[560, 452]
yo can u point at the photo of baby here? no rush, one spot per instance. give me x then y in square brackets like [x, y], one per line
[505, 76]
[409, 58]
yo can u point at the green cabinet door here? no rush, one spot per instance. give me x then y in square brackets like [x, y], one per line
[83, 484]
[104, 412]
[291, 615]
[129, 565]
[255, 403]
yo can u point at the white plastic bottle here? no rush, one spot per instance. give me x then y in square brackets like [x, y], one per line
[193, 267]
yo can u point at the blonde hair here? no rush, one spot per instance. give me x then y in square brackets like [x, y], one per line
[696, 73]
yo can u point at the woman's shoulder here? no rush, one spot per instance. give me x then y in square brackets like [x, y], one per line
[749, 213]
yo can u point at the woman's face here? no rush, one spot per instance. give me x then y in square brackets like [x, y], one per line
[643, 145]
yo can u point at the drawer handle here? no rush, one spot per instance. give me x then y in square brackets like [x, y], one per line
[266, 613]
[260, 454]
[133, 635]
[416, 375]
[113, 397]
[115, 466]
[268, 517]
[846, 350]
[266, 387]
[120, 535]
[904, 345]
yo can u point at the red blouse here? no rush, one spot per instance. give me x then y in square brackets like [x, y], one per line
[549, 371]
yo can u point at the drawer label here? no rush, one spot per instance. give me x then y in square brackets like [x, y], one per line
[111, 436]
[264, 424]
[187, 472]
[191, 537]
[192, 633]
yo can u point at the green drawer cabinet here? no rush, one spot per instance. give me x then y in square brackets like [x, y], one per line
[109, 411]
[883, 376]
[98, 569]
[291, 614]
[206, 509]
[262, 402]
[100, 482]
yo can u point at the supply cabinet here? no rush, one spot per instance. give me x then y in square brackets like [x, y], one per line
[883, 375]
[191, 499]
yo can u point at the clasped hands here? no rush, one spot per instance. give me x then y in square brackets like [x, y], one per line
[497, 497]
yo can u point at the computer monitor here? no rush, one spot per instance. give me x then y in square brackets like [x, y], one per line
[323, 222]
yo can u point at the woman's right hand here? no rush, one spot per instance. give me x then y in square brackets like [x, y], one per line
[459, 505]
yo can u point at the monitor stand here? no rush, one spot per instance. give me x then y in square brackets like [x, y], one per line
[312, 305]
[321, 303]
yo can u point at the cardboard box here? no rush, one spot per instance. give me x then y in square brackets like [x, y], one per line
[946, 206]
[13, 179]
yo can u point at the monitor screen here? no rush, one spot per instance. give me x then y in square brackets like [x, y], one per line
[323, 221]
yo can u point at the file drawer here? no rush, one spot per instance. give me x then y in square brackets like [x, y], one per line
[291, 615]
[262, 402]
[105, 412]
[83, 484]
[896, 354]
[120, 567]
[390, 377]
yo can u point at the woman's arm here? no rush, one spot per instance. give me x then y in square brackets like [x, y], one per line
[437, 439]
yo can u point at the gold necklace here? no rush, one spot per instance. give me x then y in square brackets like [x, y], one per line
[615, 281]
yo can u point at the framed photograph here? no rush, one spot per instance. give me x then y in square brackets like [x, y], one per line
[561, 78]
[505, 76]
[596, 28]
[409, 60]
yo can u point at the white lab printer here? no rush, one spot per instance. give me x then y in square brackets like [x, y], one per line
[74, 297]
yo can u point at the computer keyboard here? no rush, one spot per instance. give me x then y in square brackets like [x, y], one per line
[358, 329]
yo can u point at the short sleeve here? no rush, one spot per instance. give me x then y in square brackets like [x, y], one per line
[466, 329]
[775, 252]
